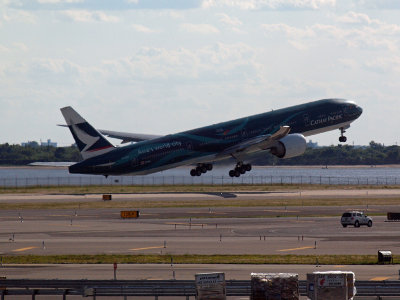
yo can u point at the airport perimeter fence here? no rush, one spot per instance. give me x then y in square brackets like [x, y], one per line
[155, 289]
[188, 180]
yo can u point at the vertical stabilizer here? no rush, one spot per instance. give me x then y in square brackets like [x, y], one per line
[90, 142]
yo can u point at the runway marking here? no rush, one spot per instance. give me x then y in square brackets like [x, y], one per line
[294, 249]
[281, 211]
[186, 224]
[146, 248]
[208, 212]
[24, 249]
[379, 278]
[60, 215]
[64, 225]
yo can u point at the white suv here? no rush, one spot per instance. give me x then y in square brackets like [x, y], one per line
[355, 218]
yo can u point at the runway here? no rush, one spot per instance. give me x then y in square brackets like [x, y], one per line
[195, 196]
[277, 230]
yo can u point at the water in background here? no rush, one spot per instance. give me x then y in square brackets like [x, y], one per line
[34, 176]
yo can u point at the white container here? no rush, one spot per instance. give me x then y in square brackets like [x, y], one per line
[210, 286]
[331, 285]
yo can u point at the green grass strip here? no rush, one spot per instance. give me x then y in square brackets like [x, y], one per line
[183, 188]
[216, 202]
[195, 259]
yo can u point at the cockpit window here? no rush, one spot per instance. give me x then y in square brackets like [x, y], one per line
[350, 110]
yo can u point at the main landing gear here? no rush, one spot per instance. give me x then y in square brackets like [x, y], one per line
[200, 169]
[342, 138]
[240, 168]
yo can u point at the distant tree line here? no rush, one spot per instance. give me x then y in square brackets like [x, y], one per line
[374, 154]
[17, 155]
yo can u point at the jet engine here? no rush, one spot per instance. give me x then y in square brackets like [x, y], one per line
[290, 146]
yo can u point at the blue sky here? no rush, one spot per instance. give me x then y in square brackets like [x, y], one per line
[166, 66]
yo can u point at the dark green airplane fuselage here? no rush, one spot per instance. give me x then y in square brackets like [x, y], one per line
[205, 143]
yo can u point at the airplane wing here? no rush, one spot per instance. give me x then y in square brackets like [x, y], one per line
[259, 143]
[58, 164]
[127, 137]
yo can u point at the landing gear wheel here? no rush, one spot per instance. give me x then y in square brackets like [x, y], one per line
[242, 170]
[209, 167]
[193, 172]
[342, 138]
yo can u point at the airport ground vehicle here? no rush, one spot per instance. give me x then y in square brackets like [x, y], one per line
[355, 218]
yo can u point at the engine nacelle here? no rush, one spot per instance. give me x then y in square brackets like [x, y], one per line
[290, 146]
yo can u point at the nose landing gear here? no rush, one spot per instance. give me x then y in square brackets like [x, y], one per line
[240, 169]
[201, 169]
[342, 138]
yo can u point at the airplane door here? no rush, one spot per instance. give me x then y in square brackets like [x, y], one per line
[306, 119]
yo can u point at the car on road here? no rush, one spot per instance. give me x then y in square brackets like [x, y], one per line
[355, 218]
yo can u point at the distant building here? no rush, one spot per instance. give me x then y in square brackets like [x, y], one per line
[312, 145]
[34, 144]
[49, 143]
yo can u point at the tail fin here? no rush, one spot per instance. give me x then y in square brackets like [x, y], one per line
[90, 142]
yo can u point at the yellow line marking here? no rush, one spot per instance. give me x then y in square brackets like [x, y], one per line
[379, 278]
[339, 266]
[147, 248]
[24, 249]
[294, 249]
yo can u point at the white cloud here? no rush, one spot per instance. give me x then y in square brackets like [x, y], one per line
[199, 28]
[374, 35]
[89, 16]
[4, 49]
[142, 28]
[54, 71]
[270, 4]
[12, 15]
[354, 18]
[217, 62]
[381, 4]
[290, 31]
[21, 47]
[59, 1]
[227, 20]
[384, 65]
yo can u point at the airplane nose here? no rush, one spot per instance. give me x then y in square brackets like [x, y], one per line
[360, 110]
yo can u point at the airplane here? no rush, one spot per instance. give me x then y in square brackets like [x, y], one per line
[280, 132]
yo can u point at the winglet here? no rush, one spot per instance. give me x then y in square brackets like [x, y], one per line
[90, 142]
